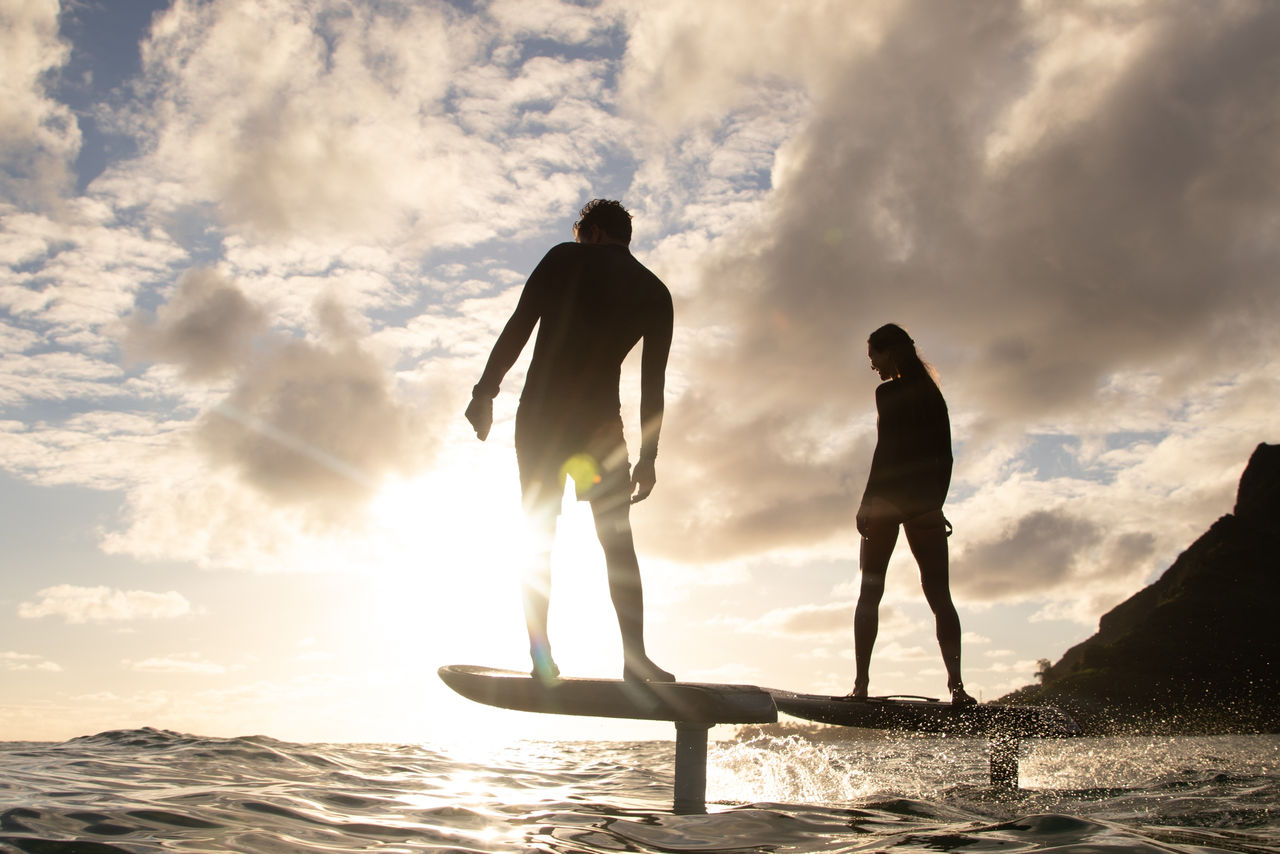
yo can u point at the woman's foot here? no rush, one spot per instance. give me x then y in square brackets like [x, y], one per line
[644, 670]
[960, 697]
[859, 692]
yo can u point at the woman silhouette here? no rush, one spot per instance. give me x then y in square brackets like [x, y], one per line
[910, 475]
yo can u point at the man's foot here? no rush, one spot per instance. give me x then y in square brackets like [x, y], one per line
[544, 667]
[960, 697]
[859, 692]
[644, 670]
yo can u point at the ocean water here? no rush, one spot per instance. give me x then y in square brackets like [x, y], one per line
[157, 791]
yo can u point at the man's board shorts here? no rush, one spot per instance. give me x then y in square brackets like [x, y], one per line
[596, 460]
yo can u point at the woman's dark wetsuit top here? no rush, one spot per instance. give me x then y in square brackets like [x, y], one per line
[911, 467]
[592, 304]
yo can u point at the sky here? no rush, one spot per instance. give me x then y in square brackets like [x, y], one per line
[254, 253]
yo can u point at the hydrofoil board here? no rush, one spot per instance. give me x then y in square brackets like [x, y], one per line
[683, 702]
[920, 714]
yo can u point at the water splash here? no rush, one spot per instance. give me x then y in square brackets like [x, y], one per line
[787, 769]
[796, 769]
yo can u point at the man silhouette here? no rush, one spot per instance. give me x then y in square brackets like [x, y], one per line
[592, 302]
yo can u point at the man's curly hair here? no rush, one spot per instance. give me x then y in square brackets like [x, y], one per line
[607, 215]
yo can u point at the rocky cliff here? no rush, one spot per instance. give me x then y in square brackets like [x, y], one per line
[1198, 650]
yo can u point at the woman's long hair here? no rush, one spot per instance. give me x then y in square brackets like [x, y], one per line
[894, 340]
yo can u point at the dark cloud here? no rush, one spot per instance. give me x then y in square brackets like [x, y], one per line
[1127, 551]
[314, 424]
[796, 490]
[1123, 226]
[1039, 553]
[206, 329]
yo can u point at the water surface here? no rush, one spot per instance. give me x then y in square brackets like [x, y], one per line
[157, 791]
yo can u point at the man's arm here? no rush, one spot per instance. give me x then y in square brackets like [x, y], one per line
[653, 378]
[505, 352]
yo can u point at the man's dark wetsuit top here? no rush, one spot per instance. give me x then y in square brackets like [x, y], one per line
[592, 303]
[911, 467]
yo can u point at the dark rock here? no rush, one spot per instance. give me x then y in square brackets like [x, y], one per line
[1198, 650]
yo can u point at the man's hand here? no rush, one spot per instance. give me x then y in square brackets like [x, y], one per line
[643, 479]
[480, 414]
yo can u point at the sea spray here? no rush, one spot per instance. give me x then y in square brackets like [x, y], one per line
[786, 769]
[1116, 762]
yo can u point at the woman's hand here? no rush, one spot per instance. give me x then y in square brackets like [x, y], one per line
[875, 510]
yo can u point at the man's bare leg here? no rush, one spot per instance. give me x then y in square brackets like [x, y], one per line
[613, 527]
[536, 589]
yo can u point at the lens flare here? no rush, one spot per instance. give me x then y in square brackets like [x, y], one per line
[584, 470]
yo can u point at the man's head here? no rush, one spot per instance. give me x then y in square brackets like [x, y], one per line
[603, 221]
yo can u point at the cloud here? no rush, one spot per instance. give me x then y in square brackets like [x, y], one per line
[273, 123]
[69, 278]
[103, 604]
[207, 328]
[25, 661]
[39, 136]
[307, 421]
[399, 125]
[803, 620]
[692, 64]
[1041, 551]
[1026, 668]
[189, 662]
[829, 619]
[1024, 185]
[1061, 202]
[894, 651]
[314, 423]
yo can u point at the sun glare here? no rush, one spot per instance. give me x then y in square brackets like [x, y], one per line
[453, 547]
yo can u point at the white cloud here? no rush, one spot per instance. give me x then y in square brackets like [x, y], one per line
[894, 651]
[101, 449]
[1026, 668]
[691, 63]
[188, 662]
[26, 661]
[72, 277]
[566, 23]
[397, 126]
[832, 620]
[39, 136]
[804, 620]
[52, 376]
[103, 604]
